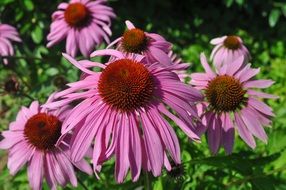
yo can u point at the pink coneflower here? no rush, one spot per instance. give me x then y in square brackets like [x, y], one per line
[153, 46]
[84, 24]
[231, 102]
[7, 34]
[123, 110]
[31, 139]
[227, 49]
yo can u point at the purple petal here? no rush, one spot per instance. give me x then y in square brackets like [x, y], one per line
[253, 125]
[153, 145]
[160, 56]
[243, 131]
[214, 133]
[258, 84]
[35, 170]
[260, 106]
[122, 148]
[227, 133]
[19, 155]
[206, 66]
[135, 152]
[234, 66]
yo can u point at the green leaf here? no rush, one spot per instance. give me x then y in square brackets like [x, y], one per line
[5, 2]
[228, 3]
[263, 183]
[37, 35]
[52, 71]
[240, 2]
[273, 17]
[29, 5]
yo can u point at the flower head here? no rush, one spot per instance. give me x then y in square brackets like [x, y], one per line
[227, 49]
[153, 46]
[84, 24]
[7, 35]
[231, 102]
[31, 140]
[124, 112]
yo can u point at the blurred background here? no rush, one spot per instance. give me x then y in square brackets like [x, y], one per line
[35, 72]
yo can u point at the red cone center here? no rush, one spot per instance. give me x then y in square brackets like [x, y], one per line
[134, 41]
[126, 85]
[43, 130]
[77, 15]
[232, 42]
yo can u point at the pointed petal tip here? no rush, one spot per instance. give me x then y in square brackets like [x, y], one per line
[129, 24]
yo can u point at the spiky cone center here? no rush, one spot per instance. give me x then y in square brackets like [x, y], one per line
[43, 131]
[232, 42]
[225, 94]
[77, 15]
[126, 85]
[134, 41]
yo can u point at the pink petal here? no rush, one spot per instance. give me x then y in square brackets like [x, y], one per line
[129, 24]
[107, 52]
[248, 74]
[122, 163]
[167, 134]
[258, 84]
[206, 66]
[160, 56]
[35, 170]
[71, 43]
[84, 137]
[75, 63]
[135, 152]
[67, 168]
[227, 133]
[253, 125]
[11, 138]
[234, 66]
[180, 123]
[219, 40]
[260, 106]
[214, 132]
[19, 155]
[261, 94]
[244, 132]
[153, 145]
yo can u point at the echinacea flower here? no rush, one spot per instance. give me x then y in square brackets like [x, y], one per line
[7, 35]
[84, 24]
[31, 140]
[153, 46]
[231, 102]
[227, 49]
[123, 112]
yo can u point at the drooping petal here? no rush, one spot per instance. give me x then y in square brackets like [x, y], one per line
[35, 170]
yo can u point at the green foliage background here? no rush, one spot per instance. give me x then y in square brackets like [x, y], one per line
[190, 25]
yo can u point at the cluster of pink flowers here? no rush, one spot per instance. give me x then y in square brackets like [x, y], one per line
[124, 110]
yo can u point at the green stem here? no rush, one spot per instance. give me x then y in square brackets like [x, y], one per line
[27, 96]
[148, 183]
[82, 184]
